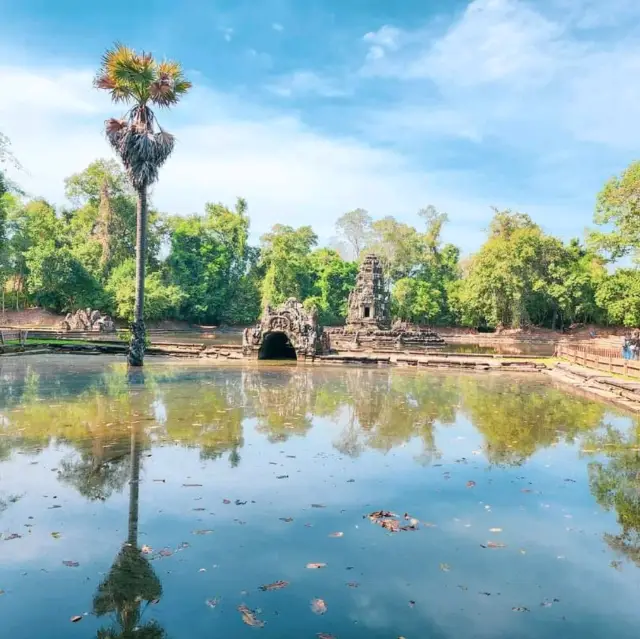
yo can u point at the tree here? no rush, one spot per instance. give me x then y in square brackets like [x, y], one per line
[285, 258]
[161, 298]
[333, 280]
[140, 80]
[355, 227]
[618, 207]
[416, 301]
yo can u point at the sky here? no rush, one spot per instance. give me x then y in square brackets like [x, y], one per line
[310, 108]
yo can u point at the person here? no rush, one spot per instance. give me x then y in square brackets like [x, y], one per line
[625, 347]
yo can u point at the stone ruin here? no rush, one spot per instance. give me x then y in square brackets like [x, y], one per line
[87, 320]
[368, 323]
[368, 304]
[286, 332]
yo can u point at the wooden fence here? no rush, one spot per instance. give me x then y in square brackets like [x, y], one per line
[609, 360]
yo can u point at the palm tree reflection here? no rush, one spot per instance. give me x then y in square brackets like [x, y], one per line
[131, 585]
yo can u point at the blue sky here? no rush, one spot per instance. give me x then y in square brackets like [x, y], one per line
[311, 108]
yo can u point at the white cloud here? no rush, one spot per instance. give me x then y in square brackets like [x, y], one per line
[288, 172]
[276, 26]
[306, 83]
[227, 34]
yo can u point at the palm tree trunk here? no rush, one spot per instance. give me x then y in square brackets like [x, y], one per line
[138, 331]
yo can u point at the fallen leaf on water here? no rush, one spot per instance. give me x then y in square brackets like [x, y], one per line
[282, 477]
[495, 530]
[192, 485]
[616, 564]
[493, 544]
[525, 490]
[56, 535]
[412, 603]
[276, 585]
[76, 618]
[146, 550]
[70, 564]
[325, 635]
[318, 606]
[471, 483]
[249, 617]
[520, 609]
[226, 501]
[314, 566]
[202, 532]
[288, 520]
[212, 603]
[445, 567]
[239, 503]
[336, 534]
[12, 536]
[318, 506]
[353, 584]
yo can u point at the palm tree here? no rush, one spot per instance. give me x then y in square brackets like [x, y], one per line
[141, 143]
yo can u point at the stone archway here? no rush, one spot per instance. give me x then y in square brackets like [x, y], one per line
[298, 326]
[277, 345]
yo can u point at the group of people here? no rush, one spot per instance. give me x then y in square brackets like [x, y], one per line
[631, 345]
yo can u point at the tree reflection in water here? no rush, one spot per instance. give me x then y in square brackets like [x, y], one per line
[131, 585]
[374, 409]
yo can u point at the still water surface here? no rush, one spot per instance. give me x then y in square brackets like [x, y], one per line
[154, 505]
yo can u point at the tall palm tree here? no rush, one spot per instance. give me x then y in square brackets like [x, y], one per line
[141, 143]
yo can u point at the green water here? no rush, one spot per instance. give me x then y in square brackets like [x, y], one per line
[154, 505]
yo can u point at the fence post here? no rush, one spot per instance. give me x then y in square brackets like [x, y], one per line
[610, 364]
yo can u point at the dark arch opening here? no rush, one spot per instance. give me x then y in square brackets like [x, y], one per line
[276, 346]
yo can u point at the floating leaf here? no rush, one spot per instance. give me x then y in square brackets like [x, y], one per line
[249, 617]
[212, 603]
[325, 635]
[70, 564]
[226, 501]
[495, 530]
[315, 566]
[282, 477]
[353, 584]
[493, 544]
[56, 535]
[318, 606]
[471, 483]
[192, 485]
[445, 567]
[288, 520]
[276, 585]
[318, 506]
[336, 534]
[146, 550]
[76, 618]
[12, 536]
[520, 609]
[205, 531]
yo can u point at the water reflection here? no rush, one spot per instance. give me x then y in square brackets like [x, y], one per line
[230, 442]
[131, 584]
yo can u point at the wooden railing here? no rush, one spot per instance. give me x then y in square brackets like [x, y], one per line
[609, 360]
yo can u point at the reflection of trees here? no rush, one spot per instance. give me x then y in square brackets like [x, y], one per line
[280, 401]
[131, 582]
[517, 417]
[616, 486]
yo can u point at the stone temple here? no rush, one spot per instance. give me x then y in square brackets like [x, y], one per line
[369, 300]
[368, 325]
[291, 332]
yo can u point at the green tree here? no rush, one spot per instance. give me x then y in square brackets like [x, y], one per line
[416, 301]
[618, 208]
[285, 259]
[140, 80]
[162, 299]
[333, 279]
[355, 227]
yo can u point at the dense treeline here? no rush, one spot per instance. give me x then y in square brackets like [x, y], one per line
[203, 269]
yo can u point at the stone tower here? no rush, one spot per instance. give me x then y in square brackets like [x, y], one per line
[369, 300]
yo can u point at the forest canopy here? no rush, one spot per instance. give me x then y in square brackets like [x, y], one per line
[203, 268]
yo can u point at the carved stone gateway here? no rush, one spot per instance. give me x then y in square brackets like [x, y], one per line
[286, 332]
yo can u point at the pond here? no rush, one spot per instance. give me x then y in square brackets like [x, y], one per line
[194, 501]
